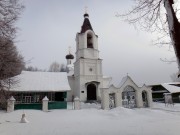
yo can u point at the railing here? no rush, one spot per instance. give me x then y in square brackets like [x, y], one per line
[36, 106]
[57, 105]
[176, 99]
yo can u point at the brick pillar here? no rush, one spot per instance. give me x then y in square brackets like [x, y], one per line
[10, 104]
[77, 102]
[45, 104]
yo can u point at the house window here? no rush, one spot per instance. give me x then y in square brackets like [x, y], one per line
[33, 97]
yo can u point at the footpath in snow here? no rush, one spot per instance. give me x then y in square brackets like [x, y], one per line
[91, 120]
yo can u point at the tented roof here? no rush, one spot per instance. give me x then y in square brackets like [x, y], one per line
[86, 24]
[41, 81]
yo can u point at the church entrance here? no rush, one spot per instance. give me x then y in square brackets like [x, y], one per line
[91, 92]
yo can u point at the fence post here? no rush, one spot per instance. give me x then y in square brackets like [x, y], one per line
[45, 104]
[77, 103]
[10, 104]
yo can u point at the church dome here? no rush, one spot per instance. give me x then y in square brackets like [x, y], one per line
[69, 56]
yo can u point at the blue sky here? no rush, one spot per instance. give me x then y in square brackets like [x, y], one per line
[49, 27]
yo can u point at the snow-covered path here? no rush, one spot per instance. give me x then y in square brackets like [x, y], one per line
[94, 121]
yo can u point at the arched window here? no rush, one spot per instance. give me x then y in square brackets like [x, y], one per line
[89, 40]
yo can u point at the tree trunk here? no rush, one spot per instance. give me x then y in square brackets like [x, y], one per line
[174, 28]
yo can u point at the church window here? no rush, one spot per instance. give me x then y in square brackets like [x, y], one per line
[89, 41]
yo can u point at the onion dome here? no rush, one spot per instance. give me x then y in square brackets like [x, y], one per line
[69, 56]
[86, 15]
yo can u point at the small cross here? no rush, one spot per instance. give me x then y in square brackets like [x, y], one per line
[86, 9]
[69, 49]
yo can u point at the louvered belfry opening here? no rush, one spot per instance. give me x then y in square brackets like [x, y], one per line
[89, 41]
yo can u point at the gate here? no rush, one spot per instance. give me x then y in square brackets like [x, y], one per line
[129, 97]
[57, 105]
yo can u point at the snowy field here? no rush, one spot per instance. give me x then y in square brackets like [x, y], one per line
[91, 120]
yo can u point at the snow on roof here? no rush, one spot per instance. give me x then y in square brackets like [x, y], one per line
[106, 77]
[122, 81]
[172, 87]
[42, 81]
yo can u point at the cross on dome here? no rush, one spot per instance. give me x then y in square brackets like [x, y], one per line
[69, 56]
[86, 15]
[86, 9]
[69, 49]
[86, 24]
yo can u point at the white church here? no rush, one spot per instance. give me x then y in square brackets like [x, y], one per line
[87, 81]
[84, 80]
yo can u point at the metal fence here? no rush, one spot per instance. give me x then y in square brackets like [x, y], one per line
[57, 105]
[35, 106]
[38, 106]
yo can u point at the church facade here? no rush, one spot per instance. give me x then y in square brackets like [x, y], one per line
[86, 78]
[87, 81]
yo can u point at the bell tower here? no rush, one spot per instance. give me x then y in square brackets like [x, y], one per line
[88, 65]
[86, 41]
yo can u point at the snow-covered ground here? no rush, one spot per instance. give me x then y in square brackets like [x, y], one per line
[91, 120]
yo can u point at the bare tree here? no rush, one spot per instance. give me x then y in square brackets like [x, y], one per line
[11, 62]
[63, 68]
[9, 13]
[34, 69]
[174, 77]
[158, 16]
[56, 67]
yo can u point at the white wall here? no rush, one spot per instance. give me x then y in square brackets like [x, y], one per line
[118, 94]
